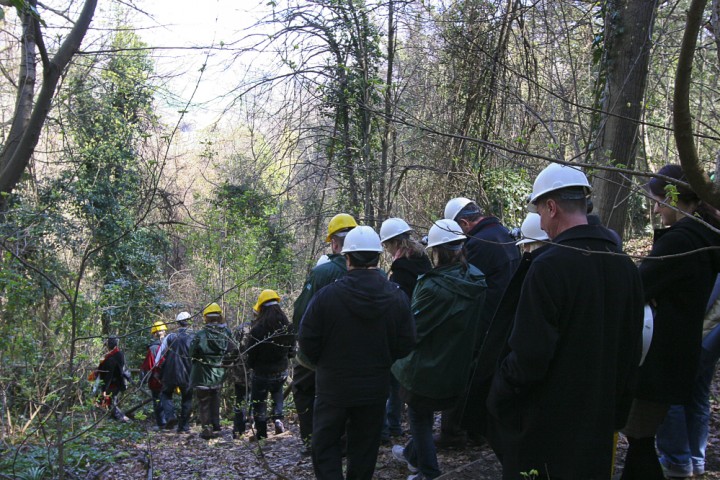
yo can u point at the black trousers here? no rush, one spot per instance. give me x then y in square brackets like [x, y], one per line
[362, 424]
[208, 407]
[303, 388]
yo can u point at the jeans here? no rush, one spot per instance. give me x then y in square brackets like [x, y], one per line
[683, 436]
[362, 424]
[393, 411]
[420, 450]
[186, 396]
[261, 386]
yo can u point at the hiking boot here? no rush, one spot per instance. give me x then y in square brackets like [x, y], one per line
[279, 427]
[207, 434]
[398, 452]
[170, 424]
[183, 429]
[217, 428]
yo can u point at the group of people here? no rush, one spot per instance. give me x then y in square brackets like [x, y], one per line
[541, 347]
[542, 350]
[190, 363]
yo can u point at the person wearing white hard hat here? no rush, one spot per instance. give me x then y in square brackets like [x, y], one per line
[176, 374]
[564, 386]
[447, 302]
[533, 236]
[353, 331]
[324, 273]
[491, 248]
[409, 261]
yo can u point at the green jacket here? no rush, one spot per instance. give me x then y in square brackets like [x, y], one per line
[207, 351]
[447, 305]
[319, 277]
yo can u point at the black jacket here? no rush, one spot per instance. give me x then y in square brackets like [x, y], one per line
[176, 367]
[566, 384]
[491, 249]
[679, 288]
[405, 272]
[353, 330]
[268, 350]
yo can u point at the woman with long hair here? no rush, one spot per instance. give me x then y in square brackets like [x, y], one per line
[447, 304]
[678, 276]
[269, 346]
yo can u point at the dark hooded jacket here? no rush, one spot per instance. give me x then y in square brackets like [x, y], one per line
[353, 330]
[176, 366]
[447, 305]
[491, 249]
[566, 384]
[679, 289]
[405, 271]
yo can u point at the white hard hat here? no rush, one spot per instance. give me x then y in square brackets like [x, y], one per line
[453, 207]
[182, 316]
[444, 231]
[362, 239]
[554, 177]
[323, 259]
[392, 227]
[531, 231]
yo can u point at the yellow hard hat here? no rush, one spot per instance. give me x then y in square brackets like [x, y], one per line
[158, 326]
[264, 297]
[341, 221]
[212, 308]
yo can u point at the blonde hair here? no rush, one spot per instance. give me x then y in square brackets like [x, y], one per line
[410, 246]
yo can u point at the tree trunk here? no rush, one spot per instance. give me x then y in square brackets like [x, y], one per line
[28, 119]
[628, 28]
[682, 119]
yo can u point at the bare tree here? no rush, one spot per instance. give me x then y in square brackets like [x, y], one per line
[31, 111]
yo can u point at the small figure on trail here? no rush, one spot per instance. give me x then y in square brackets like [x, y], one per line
[175, 375]
[269, 346]
[447, 304]
[491, 249]
[303, 386]
[409, 262]
[678, 288]
[150, 371]
[113, 375]
[352, 331]
[207, 374]
[563, 386]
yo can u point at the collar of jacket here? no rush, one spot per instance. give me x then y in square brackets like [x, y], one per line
[579, 232]
[487, 222]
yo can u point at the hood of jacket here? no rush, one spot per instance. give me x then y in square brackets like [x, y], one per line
[366, 292]
[467, 283]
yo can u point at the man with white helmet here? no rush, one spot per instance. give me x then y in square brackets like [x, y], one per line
[353, 331]
[176, 374]
[564, 385]
[490, 248]
[323, 274]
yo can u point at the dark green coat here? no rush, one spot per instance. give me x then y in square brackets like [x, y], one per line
[447, 305]
[207, 351]
[320, 276]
